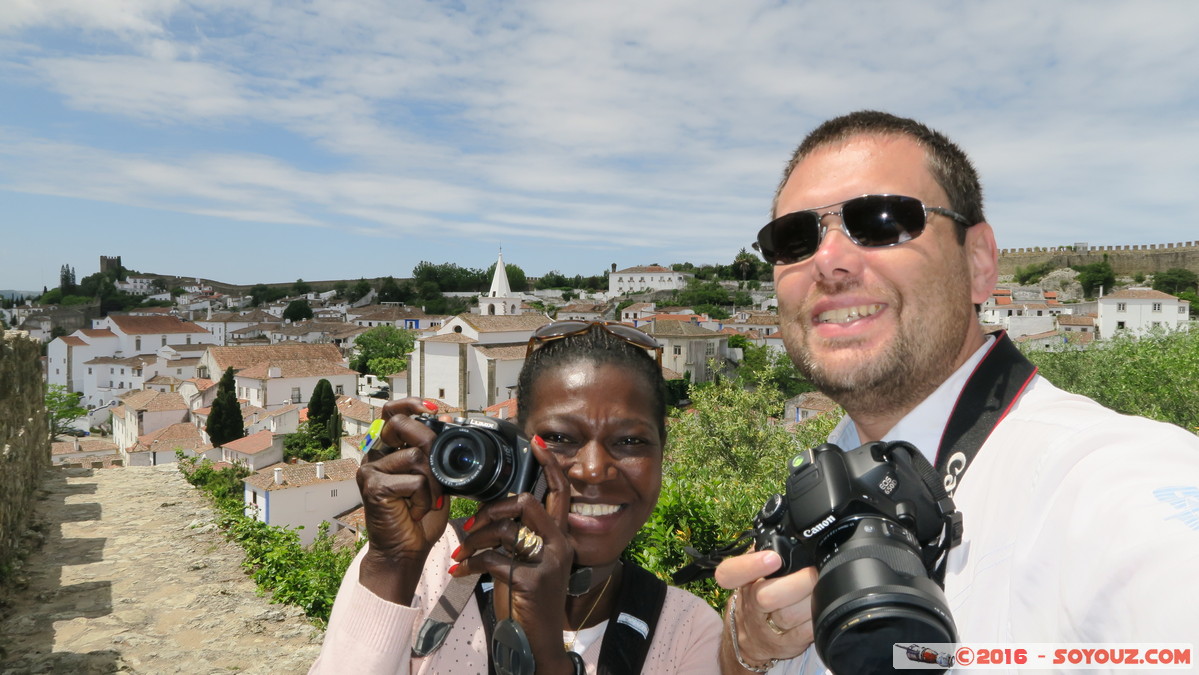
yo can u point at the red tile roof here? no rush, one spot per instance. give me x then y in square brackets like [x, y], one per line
[147, 325]
[252, 444]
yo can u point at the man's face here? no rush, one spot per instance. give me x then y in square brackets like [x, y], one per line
[877, 329]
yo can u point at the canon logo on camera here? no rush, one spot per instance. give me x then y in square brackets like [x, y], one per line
[955, 467]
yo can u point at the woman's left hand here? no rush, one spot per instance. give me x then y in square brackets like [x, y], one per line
[531, 591]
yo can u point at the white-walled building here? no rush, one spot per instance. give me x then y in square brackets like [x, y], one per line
[473, 361]
[499, 299]
[302, 495]
[159, 446]
[646, 278]
[275, 383]
[114, 337]
[687, 346]
[144, 411]
[223, 325]
[1139, 310]
[255, 451]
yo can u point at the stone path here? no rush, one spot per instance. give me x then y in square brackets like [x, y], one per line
[134, 577]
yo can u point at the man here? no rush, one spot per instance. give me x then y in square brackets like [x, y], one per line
[1080, 525]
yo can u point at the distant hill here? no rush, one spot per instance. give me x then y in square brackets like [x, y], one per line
[11, 293]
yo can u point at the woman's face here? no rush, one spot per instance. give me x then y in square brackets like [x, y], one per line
[598, 420]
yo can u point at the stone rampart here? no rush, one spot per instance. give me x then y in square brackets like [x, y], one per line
[1125, 260]
[24, 437]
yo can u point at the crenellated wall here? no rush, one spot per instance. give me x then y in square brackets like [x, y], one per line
[24, 437]
[1125, 260]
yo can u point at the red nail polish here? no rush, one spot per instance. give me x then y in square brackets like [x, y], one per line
[539, 441]
[456, 552]
[430, 405]
[440, 501]
[469, 522]
[452, 568]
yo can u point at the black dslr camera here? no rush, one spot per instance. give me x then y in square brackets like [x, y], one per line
[482, 458]
[874, 521]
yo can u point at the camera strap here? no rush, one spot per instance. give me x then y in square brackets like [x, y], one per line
[993, 388]
[630, 627]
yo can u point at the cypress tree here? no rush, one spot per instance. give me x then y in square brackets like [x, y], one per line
[225, 423]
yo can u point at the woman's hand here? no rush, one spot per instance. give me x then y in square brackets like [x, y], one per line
[532, 592]
[404, 506]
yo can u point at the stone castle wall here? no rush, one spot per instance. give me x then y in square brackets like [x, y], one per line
[1125, 260]
[24, 437]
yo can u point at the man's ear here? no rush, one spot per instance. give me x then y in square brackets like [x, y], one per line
[983, 257]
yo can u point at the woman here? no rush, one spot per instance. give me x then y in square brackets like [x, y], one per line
[591, 399]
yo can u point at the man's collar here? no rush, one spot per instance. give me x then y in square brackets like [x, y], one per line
[924, 424]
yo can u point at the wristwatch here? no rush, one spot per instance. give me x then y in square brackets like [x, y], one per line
[577, 660]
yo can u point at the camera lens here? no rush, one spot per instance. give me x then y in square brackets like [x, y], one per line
[473, 463]
[874, 592]
[462, 458]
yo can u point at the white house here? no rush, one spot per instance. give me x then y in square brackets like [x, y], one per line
[216, 359]
[646, 278]
[276, 383]
[1138, 310]
[116, 337]
[159, 446]
[255, 451]
[473, 361]
[687, 346]
[356, 415]
[302, 495]
[223, 325]
[400, 316]
[285, 420]
[141, 412]
[807, 405]
[581, 311]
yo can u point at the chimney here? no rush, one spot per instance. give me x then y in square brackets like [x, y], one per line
[278, 475]
[320, 470]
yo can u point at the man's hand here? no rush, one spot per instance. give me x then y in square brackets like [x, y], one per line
[774, 616]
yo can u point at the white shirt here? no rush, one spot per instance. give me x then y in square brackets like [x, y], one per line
[1080, 525]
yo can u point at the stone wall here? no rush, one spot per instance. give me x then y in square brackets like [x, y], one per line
[24, 437]
[1125, 260]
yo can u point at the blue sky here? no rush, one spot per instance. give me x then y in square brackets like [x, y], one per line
[270, 141]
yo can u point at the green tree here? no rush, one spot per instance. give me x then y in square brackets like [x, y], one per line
[340, 289]
[159, 284]
[225, 422]
[746, 264]
[310, 442]
[322, 411]
[516, 277]
[383, 342]
[390, 291]
[66, 280]
[358, 290]
[1094, 275]
[1033, 273]
[1175, 280]
[551, 279]
[1193, 298]
[297, 310]
[301, 287]
[1150, 375]
[62, 408]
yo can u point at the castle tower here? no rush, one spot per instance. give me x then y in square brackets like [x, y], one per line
[500, 299]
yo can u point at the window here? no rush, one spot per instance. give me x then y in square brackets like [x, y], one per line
[1182, 309]
[1157, 306]
[295, 394]
[332, 493]
[1120, 306]
[678, 349]
[164, 341]
[709, 349]
[178, 371]
[341, 389]
[441, 394]
[137, 344]
[89, 370]
[1155, 324]
[1119, 325]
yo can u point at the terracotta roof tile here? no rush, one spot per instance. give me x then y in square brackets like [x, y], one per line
[299, 475]
[1139, 294]
[252, 444]
[146, 325]
[240, 357]
[296, 368]
[500, 324]
[351, 408]
[184, 435]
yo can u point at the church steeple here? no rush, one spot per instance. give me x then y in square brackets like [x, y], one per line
[499, 280]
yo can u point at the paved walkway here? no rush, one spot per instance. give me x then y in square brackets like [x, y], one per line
[134, 577]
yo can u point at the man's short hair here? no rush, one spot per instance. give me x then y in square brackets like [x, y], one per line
[949, 166]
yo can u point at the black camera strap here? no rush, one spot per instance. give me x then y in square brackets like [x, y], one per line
[630, 627]
[993, 388]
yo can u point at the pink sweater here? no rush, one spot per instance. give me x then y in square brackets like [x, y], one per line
[370, 635]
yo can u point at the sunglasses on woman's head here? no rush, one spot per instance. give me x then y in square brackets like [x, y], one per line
[564, 329]
[872, 221]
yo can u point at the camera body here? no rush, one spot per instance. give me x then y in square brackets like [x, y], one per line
[483, 458]
[870, 522]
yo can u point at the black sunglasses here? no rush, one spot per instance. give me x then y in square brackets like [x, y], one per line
[564, 329]
[870, 220]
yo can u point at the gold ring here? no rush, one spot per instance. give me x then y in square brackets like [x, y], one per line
[773, 626]
[528, 543]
